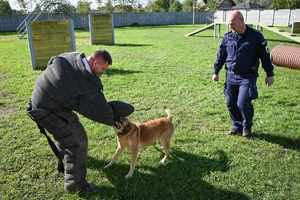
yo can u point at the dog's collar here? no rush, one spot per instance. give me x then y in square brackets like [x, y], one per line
[126, 129]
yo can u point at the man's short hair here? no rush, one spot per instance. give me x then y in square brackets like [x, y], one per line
[101, 53]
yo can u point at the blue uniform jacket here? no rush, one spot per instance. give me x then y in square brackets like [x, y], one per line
[240, 52]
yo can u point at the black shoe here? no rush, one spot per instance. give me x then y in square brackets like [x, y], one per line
[246, 132]
[89, 188]
[235, 131]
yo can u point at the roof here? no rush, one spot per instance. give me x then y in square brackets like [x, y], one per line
[247, 5]
[230, 1]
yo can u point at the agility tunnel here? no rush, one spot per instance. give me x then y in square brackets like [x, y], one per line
[286, 56]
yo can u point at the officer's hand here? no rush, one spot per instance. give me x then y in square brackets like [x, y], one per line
[270, 80]
[215, 78]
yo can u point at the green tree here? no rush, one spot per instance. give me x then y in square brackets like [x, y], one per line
[83, 6]
[139, 8]
[152, 7]
[108, 7]
[125, 5]
[64, 8]
[278, 4]
[37, 8]
[294, 4]
[212, 4]
[123, 8]
[187, 5]
[24, 5]
[5, 8]
[160, 6]
[175, 6]
[100, 7]
[99, 2]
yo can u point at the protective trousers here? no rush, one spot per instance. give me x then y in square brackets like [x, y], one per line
[240, 90]
[72, 143]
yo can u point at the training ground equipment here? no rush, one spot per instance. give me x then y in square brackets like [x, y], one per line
[49, 6]
[49, 38]
[101, 28]
[286, 56]
[262, 26]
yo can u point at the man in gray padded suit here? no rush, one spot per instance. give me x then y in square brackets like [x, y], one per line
[70, 83]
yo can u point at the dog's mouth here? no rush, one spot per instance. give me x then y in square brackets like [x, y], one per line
[118, 122]
[122, 126]
[118, 125]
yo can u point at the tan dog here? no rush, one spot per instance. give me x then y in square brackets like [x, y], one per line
[135, 135]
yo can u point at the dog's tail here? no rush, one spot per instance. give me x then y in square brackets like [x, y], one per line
[168, 111]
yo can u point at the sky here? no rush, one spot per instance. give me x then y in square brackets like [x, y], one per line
[14, 5]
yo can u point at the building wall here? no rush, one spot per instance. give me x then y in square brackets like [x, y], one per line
[282, 17]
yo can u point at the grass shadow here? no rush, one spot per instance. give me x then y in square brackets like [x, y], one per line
[10, 33]
[109, 71]
[130, 45]
[181, 177]
[285, 142]
[205, 36]
[113, 71]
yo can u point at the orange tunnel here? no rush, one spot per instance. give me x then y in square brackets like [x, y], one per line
[286, 56]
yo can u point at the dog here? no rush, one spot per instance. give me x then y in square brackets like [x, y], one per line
[135, 135]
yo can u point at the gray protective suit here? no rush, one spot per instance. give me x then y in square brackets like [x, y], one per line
[66, 86]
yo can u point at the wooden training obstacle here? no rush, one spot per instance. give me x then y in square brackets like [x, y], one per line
[49, 38]
[262, 26]
[101, 29]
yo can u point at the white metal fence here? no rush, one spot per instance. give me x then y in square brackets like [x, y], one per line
[284, 17]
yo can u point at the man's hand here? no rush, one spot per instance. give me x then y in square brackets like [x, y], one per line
[270, 80]
[215, 78]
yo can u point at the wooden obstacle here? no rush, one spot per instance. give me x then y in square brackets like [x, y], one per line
[295, 27]
[279, 31]
[49, 38]
[216, 26]
[101, 29]
[262, 25]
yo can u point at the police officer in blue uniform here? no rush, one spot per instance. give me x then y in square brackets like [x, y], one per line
[240, 51]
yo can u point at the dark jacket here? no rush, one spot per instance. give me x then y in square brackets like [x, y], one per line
[66, 85]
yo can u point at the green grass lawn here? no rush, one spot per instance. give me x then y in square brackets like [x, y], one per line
[153, 67]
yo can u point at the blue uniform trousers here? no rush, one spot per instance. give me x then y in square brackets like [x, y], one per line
[240, 90]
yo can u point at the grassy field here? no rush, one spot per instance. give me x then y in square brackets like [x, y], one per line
[153, 67]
